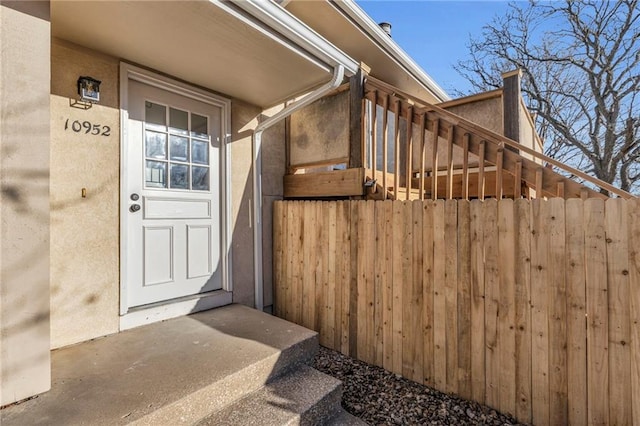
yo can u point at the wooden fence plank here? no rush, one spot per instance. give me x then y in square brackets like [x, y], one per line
[633, 215]
[343, 215]
[597, 330]
[309, 245]
[297, 262]
[439, 305]
[387, 293]
[491, 310]
[329, 215]
[451, 293]
[539, 312]
[354, 317]
[398, 302]
[619, 316]
[408, 333]
[507, 312]
[576, 314]
[416, 304]
[477, 302]
[278, 257]
[379, 282]
[464, 299]
[557, 302]
[321, 272]
[523, 309]
[427, 291]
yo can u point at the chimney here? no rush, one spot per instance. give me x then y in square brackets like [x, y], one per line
[386, 27]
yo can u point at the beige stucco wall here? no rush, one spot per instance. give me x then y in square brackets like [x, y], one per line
[486, 113]
[24, 200]
[84, 231]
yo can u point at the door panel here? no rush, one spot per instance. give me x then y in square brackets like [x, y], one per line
[173, 228]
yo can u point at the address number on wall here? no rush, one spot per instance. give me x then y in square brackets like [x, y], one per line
[87, 127]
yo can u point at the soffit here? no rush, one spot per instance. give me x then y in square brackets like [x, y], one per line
[338, 29]
[195, 41]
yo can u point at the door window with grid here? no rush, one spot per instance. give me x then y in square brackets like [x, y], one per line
[176, 148]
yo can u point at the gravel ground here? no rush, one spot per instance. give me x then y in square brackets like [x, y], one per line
[383, 398]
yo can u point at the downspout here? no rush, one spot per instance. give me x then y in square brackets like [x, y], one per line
[338, 75]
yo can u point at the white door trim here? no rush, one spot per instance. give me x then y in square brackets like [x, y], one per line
[131, 72]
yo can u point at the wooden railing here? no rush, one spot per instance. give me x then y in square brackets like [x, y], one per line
[456, 158]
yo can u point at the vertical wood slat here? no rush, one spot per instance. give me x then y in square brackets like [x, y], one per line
[329, 214]
[481, 189]
[409, 153]
[558, 406]
[354, 317]
[396, 150]
[427, 291]
[619, 351]
[309, 251]
[434, 160]
[321, 267]
[517, 184]
[423, 131]
[385, 144]
[439, 306]
[539, 312]
[406, 284]
[597, 330]
[506, 302]
[278, 256]
[379, 283]
[539, 182]
[374, 135]
[297, 262]
[464, 299]
[343, 213]
[560, 191]
[522, 283]
[451, 294]
[416, 304]
[477, 302]
[398, 240]
[387, 290]
[492, 291]
[499, 171]
[450, 136]
[576, 313]
[633, 216]
[465, 166]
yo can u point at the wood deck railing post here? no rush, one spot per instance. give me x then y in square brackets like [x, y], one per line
[481, 149]
[385, 144]
[434, 160]
[465, 166]
[396, 149]
[356, 117]
[423, 129]
[450, 136]
[409, 152]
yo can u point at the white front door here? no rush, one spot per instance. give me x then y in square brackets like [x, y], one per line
[172, 201]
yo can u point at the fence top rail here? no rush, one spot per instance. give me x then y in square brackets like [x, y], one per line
[485, 134]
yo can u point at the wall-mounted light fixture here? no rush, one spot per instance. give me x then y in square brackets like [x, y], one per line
[89, 89]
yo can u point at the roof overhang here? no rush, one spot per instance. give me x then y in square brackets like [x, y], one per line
[346, 25]
[251, 50]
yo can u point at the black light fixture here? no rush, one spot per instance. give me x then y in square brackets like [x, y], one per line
[89, 89]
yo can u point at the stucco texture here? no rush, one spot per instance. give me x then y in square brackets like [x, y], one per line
[84, 230]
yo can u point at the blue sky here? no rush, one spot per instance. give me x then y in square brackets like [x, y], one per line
[435, 33]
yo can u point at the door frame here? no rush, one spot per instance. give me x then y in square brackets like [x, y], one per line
[132, 72]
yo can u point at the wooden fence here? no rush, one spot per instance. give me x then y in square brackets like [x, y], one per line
[529, 306]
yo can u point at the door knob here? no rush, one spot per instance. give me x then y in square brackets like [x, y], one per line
[134, 208]
[135, 197]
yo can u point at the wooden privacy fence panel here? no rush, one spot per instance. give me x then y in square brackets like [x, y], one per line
[529, 306]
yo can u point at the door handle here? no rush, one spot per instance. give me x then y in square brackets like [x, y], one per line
[135, 197]
[134, 208]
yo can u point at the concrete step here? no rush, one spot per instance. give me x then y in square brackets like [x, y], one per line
[303, 397]
[345, 419]
[169, 373]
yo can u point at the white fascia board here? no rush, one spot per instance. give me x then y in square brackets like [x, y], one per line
[360, 17]
[283, 22]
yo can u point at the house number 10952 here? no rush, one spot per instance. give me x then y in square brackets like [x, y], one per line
[87, 127]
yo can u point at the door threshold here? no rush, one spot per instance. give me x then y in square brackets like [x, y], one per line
[160, 311]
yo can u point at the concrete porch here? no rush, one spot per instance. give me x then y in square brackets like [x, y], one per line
[231, 365]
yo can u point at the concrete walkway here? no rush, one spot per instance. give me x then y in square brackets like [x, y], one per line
[174, 372]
